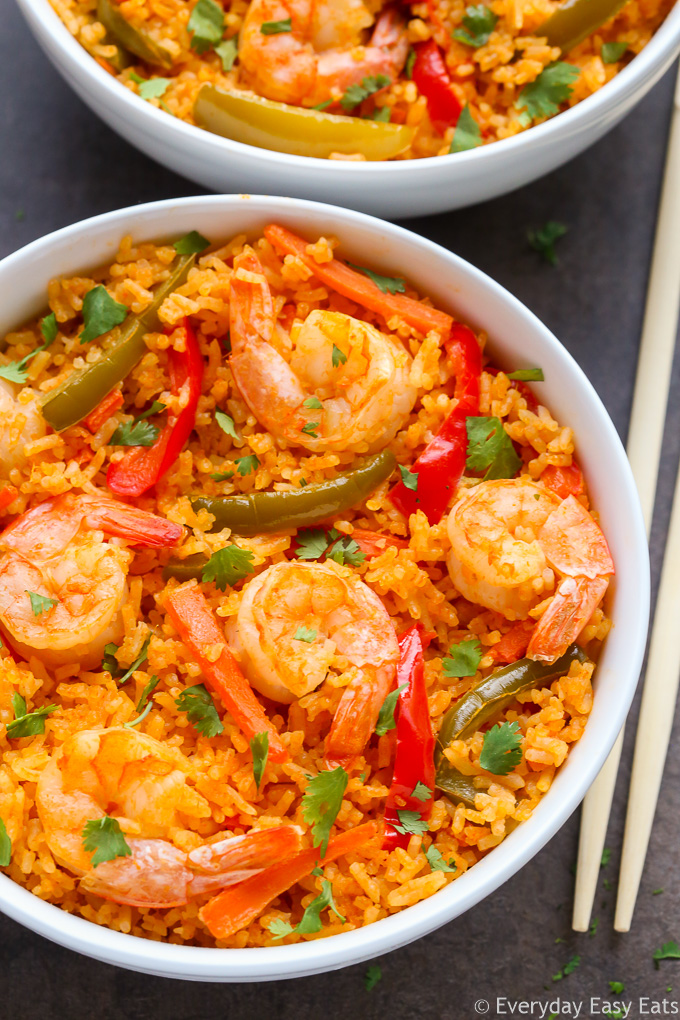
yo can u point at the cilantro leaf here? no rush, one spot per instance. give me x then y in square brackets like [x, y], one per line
[568, 968]
[543, 240]
[383, 114]
[606, 857]
[479, 22]
[49, 328]
[206, 25]
[226, 423]
[222, 476]
[191, 244]
[321, 802]
[227, 566]
[100, 313]
[668, 951]
[593, 927]
[612, 52]
[227, 51]
[105, 837]
[338, 357]
[617, 987]
[502, 748]
[411, 822]
[200, 710]
[421, 791]
[259, 746]
[110, 662]
[356, 94]
[154, 88]
[311, 919]
[138, 432]
[27, 724]
[437, 862]
[313, 403]
[280, 928]
[14, 371]
[527, 375]
[463, 659]
[307, 634]
[468, 134]
[5, 846]
[553, 86]
[386, 715]
[346, 550]
[40, 603]
[148, 690]
[276, 27]
[372, 976]
[244, 465]
[387, 284]
[410, 61]
[311, 543]
[310, 429]
[409, 478]
[490, 449]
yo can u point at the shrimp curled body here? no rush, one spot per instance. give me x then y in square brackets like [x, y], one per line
[514, 544]
[142, 783]
[344, 385]
[21, 422]
[297, 620]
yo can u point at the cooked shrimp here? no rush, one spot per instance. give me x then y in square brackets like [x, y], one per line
[61, 550]
[514, 544]
[142, 784]
[21, 422]
[364, 390]
[323, 54]
[294, 620]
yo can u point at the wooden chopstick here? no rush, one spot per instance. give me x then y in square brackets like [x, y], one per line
[645, 440]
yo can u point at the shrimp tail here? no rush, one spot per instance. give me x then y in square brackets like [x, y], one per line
[128, 522]
[571, 607]
[255, 850]
[356, 717]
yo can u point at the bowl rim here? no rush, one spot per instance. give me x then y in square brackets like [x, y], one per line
[149, 221]
[589, 111]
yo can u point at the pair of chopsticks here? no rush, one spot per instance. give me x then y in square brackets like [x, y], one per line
[660, 689]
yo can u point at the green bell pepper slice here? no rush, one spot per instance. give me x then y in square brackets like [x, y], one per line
[85, 388]
[262, 512]
[136, 40]
[189, 569]
[575, 20]
[250, 119]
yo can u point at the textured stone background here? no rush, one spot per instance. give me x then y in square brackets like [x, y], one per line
[58, 164]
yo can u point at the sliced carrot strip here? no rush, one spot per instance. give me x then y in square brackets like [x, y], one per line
[108, 406]
[237, 906]
[514, 643]
[198, 628]
[360, 288]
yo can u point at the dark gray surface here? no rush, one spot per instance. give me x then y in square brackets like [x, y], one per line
[58, 164]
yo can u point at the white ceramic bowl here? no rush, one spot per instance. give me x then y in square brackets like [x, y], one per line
[393, 189]
[516, 337]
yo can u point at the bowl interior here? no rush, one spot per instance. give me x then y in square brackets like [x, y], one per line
[517, 339]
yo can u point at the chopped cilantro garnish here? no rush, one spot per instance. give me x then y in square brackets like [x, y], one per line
[200, 709]
[606, 857]
[386, 716]
[313, 403]
[468, 134]
[154, 88]
[311, 543]
[542, 97]
[543, 240]
[617, 987]
[356, 94]
[227, 566]
[105, 837]
[338, 357]
[259, 746]
[206, 25]
[308, 634]
[226, 423]
[372, 976]
[437, 862]
[148, 690]
[310, 922]
[41, 603]
[310, 429]
[527, 375]
[479, 22]
[502, 748]
[191, 244]
[656, 892]
[227, 51]
[27, 724]
[593, 927]
[411, 822]
[15, 371]
[410, 61]
[463, 658]
[612, 52]
[110, 662]
[49, 329]
[245, 465]
[346, 550]
[100, 313]
[280, 928]
[668, 951]
[421, 791]
[222, 476]
[321, 802]
[135, 433]
[383, 114]
[409, 478]
[387, 284]
[5, 846]
[276, 27]
[490, 449]
[568, 968]
[324, 105]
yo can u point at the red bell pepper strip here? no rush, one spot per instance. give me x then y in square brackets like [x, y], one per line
[442, 462]
[564, 481]
[414, 760]
[514, 643]
[103, 411]
[433, 81]
[143, 466]
[199, 630]
[7, 496]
